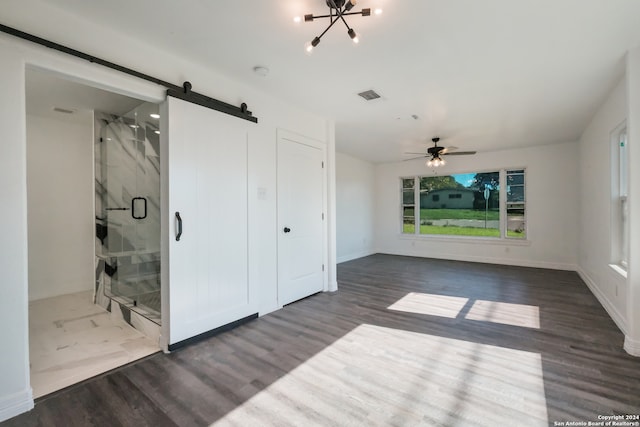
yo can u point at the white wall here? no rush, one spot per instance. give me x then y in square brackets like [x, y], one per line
[552, 208]
[100, 41]
[355, 203]
[632, 339]
[594, 215]
[60, 206]
[15, 392]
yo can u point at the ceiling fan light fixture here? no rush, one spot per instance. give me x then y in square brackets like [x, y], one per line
[435, 161]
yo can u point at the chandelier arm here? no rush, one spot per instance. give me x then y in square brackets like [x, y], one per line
[351, 13]
[327, 29]
[345, 22]
[331, 16]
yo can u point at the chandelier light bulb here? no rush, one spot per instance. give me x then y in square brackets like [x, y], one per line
[354, 36]
[377, 11]
[297, 19]
[308, 48]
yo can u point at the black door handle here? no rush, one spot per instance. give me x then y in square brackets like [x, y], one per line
[133, 208]
[286, 229]
[179, 234]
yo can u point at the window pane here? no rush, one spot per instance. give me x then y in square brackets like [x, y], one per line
[513, 179]
[516, 221]
[623, 163]
[461, 205]
[408, 183]
[408, 220]
[515, 193]
[408, 197]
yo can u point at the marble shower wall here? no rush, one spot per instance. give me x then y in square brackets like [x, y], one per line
[127, 166]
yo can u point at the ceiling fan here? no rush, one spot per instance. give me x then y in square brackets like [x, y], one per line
[436, 151]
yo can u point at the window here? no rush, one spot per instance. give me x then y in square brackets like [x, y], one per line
[619, 208]
[624, 205]
[515, 204]
[467, 204]
[408, 205]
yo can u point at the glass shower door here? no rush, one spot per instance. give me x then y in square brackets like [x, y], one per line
[130, 169]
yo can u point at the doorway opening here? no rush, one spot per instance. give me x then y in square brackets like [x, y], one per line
[93, 193]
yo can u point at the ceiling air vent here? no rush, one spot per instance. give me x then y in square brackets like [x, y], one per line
[369, 95]
[63, 110]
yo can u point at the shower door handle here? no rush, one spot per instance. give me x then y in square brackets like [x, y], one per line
[179, 233]
[133, 208]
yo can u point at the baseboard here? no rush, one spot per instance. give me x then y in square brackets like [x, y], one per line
[631, 346]
[16, 404]
[606, 303]
[492, 260]
[353, 256]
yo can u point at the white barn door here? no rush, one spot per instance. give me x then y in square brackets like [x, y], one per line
[207, 271]
[300, 217]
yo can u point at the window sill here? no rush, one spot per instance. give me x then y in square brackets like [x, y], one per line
[466, 239]
[619, 269]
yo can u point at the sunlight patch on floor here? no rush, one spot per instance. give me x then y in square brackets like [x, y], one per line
[382, 376]
[527, 316]
[430, 304]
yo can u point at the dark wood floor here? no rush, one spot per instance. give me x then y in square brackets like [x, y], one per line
[405, 341]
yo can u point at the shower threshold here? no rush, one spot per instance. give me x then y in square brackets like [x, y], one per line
[146, 305]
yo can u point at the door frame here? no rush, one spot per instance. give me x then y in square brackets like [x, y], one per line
[283, 134]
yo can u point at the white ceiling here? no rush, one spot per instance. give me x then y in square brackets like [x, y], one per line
[45, 91]
[481, 74]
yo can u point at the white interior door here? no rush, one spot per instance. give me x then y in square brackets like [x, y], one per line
[300, 218]
[207, 185]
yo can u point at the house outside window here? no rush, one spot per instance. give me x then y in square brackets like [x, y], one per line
[467, 204]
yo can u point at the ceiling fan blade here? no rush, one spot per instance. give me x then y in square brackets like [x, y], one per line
[406, 152]
[448, 149]
[413, 158]
[460, 153]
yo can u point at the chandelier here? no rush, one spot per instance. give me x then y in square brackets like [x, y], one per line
[338, 9]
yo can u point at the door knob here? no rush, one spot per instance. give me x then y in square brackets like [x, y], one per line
[286, 229]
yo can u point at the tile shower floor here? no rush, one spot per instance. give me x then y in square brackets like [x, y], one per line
[72, 339]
